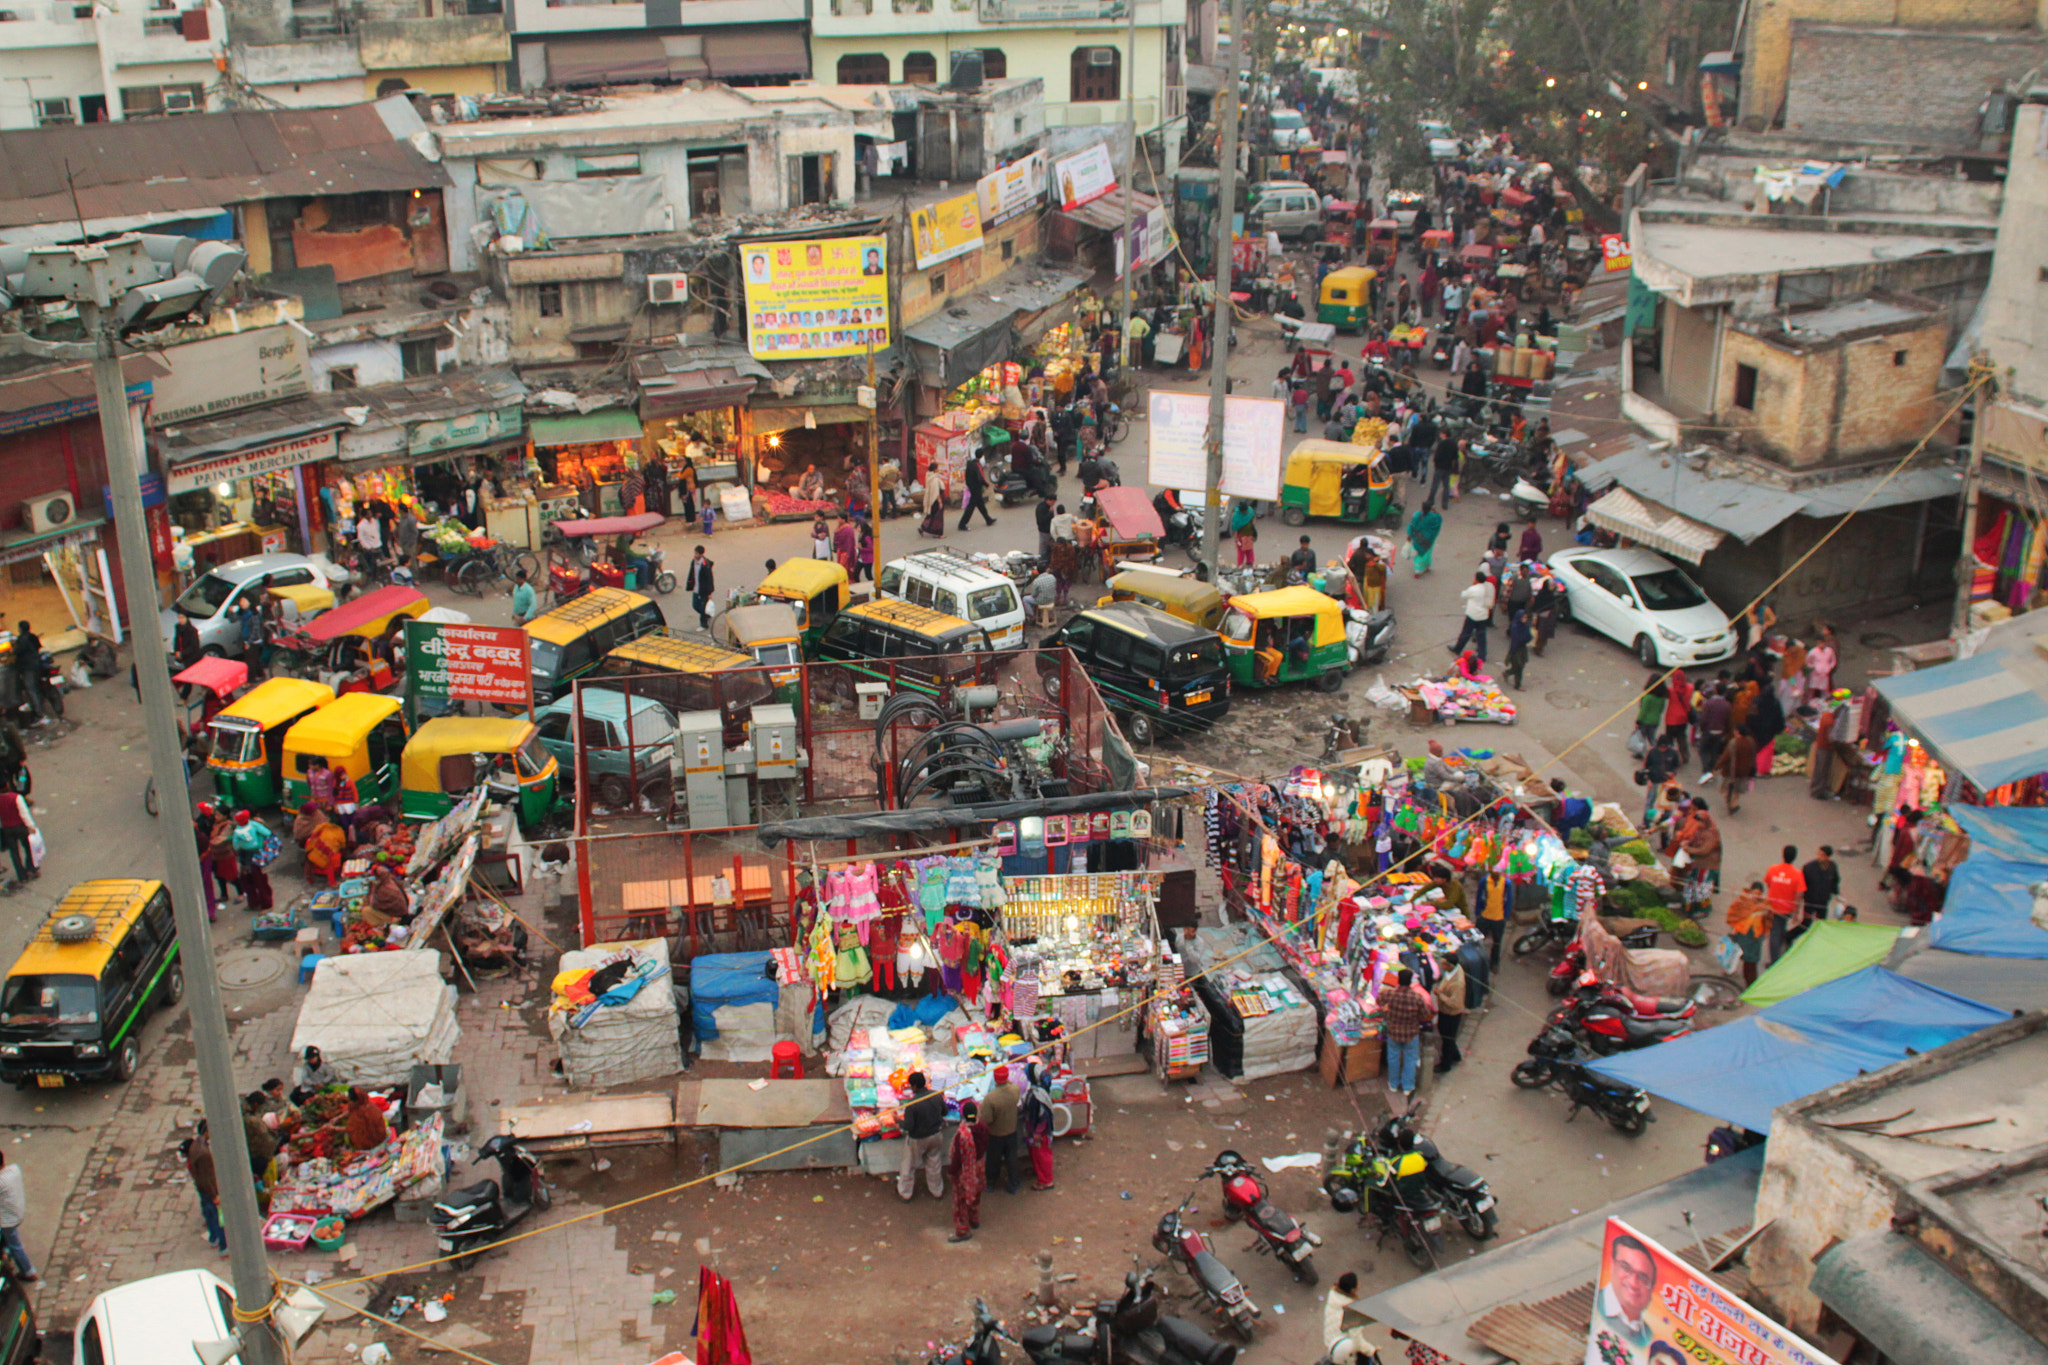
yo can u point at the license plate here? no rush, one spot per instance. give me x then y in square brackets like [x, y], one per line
[1432, 1224]
[1197, 698]
[1484, 1204]
[50, 1082]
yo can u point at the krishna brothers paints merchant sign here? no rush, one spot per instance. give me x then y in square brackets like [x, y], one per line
[1653, 1309]
[468, 663]
[814, 300]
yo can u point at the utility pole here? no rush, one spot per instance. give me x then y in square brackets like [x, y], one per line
[1130, 79]
[1973, 482]
[874, 463]
[219, 1098]
[1219, 340]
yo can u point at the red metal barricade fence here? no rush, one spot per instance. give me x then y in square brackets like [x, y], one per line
[642, 873]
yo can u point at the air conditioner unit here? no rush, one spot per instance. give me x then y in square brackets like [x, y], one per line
[49, 512]
[1102, 56]
[668, 288]
[179, 102]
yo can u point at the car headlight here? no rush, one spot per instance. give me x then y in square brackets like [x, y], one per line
[9, 1050]
[1673, 636]
[90, 1050]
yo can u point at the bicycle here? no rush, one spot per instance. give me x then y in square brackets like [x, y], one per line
[491, 567]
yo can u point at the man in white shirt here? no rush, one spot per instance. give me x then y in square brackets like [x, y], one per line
[369, 537]
[1478, 600]
[1454, 299]
[13, 1213]
[1343, 1347]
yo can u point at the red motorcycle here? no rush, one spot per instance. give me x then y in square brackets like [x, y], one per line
[1606, 1020]
[1191, 1251]
[1245, 1200]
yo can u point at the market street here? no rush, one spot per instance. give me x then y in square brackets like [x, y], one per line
[108, 1200]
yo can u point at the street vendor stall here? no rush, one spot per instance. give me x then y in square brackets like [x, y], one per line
[1084, 954]
[613, 1014]
[1259, 1024]
[377, 1015]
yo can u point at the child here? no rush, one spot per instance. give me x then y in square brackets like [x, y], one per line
[821, 540]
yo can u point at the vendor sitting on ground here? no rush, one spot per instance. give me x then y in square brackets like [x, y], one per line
[1468, 666]
[312, 1076]
[324, 841]
[810, 486]
[364, 1122]
[387, 899]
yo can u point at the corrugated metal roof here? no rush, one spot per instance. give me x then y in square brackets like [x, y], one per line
[47, 385]
[201, 162]
[1694, 486]
[1108, 211]
[425, 399]
[1026, 291]
[1654, 525]
[1553, 1331]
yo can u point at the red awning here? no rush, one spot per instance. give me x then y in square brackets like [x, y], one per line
[1129, 512]
[371, 607]
[219, 676]
[611, 526]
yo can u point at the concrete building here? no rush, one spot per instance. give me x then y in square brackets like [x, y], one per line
[304, 53]
[1876, 1243]
[68, 61]
[741, 42]
[1077, 47]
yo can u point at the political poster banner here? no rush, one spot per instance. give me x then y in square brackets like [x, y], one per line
[1083, 178]
[1650, 1308]
[1011, 190]
[816, 299]
[454, 662]
[949, 228]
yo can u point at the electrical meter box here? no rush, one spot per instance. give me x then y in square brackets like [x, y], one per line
[775, 751]
[872, 695]
[699, 767]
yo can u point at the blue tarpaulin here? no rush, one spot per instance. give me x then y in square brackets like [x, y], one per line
[1818, 1038]
[721, 979]
[1986, 716]
[1989, 909]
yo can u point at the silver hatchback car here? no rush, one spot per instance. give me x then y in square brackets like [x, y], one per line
[210, 603]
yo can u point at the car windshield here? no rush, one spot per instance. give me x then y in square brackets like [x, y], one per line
[206, 597]
[236, 743]
[984, 604]
[775, 654]
[1191, 661]
[547, 662]
[533, 757]
[50, 1000]
[1237, 626]
[1667, 590]
[1287, 120]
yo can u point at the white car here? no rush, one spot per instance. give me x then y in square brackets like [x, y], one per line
[1290, 129]
[1442, 145]
[1644, 601]
[156, 1321]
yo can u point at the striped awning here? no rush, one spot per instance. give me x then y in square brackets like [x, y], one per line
[1653, 524]
[1986, 716]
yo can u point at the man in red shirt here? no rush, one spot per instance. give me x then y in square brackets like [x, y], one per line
[1784, 886]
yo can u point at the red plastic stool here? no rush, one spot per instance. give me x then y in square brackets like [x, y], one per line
[786, 1061]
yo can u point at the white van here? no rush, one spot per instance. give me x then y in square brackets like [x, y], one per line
[1289, 211]
[1290, 129]
[945, 582]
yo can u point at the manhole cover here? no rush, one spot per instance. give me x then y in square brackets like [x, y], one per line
[1568, 701]
[248, 968]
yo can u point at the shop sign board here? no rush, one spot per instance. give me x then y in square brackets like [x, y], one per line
[372, 442]
[1614, 253]
[1048, 11]
[469, 663]
[1011, 190]
[1647, 1296]
[1083, 178]
[949, 228]
[1150, 237]
[35, 549]
[246, 464]
[1251, 443]
[809, 300]
[476, 428]
[224, 373]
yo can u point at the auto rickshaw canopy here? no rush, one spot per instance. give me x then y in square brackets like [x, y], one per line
[1295, 601]
[1320, 466]
[338, 730]
[1187, 597]
[1349, 287]
[1129, 513]
[799, 580]
[217, 675]
[637, 524]
[447, 736]
[761, 623]
[270, 704]
[370, 615]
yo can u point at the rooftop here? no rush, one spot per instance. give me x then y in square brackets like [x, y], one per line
[662, 115]
[1704, 252]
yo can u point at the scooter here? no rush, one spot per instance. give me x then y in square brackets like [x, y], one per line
[1246, 1200]
[1192, 1252]
[980, 1348]
[1554, 1059]
[470, 1220]
[1607, 1028]
[1183, 524]
[1589, 989]
[1131, 1330]
[1370, 636]
[1465, 1193]
[1529, 497]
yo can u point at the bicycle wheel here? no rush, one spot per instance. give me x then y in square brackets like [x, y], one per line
[529, 563]
[471, 578]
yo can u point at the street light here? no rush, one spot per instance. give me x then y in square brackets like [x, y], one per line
[133, 284]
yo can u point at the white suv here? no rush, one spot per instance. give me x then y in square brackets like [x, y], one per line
[945, 582]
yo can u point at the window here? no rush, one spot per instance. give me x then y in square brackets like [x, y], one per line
[1094, 75]
[160, 26]
[920, 68]
[891, 582]
[148, 101]
[994, 65]
[810, 179]
[341, 377]
[92, 1352]
[918, 592]
[1009, 249]
[938, 283]
[416, 358]
[1745, 387]
[598, 167]
[548, 299]
[51, 112]
[354, 212]
[1810, 289]
[1899, 358]
[555, 727]
[864, 68]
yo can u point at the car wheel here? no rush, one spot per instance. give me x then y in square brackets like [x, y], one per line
[214, 652]
[614, 791]
[174, 984]
[1139, 727]
[149, 802]
[127, 1059]
[1564, 606]
[1294, 516]
[1646, 652]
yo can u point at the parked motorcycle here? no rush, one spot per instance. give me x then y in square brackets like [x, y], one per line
[1133, 1329]
[1395, 1192]
[1193, 1253]
[1548, 933]
[1530, 497]
[1607, 1024]
[1465, 1193]
[1247, 1200]
[1369, 635]
[471, 1219]
[1554, 1060]
[981, 1346]
[1725, 1142]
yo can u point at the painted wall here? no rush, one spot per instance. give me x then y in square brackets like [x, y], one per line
[1046, 53]
[482, 79]
[1767, 49]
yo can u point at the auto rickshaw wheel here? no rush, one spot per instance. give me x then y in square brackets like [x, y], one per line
[1294, 516]
[1332, 680]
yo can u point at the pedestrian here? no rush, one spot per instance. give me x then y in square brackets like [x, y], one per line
[406, 535]
[1784, 887]
[1244, 531]
[864, 556]
[999, 1121]
[1531, 548]
[1700, 837]
[964, 1167]
[1545, 598]
[821, 539]
[1298, 400]
[1303, 560]
[524, 601]
[1450, 1015]
[1372, 583]
[1342, 1345]
[1496, 893]
[198, 1154]
[924, 1138]
[1678, 713]
[1519, 636]
[1044, 516]
[1444, 469]
[700, 582]
[261, 1142]
[250, 838]
[1712, 718]
[1422, 532]
[1478, 600]
[977, 493]
[1404, 1010]
[846, 548]
[16, 823]
[1660, 765]
[1749, 924]
[13, 1213]
[1820, 665]
[1736, 765]
[1823, 881]
[1034, 1119]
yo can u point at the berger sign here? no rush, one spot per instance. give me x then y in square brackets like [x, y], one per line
[469, 663]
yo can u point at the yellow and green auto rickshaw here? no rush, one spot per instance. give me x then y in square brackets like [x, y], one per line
[1346, 298]
[1337, 479]
[817, 589]
[449, 755]
[1283, 636]
[766, 631]
[360, 733]
[248, 739]
[1176, 594]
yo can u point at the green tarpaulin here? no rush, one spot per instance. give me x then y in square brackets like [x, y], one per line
[1827, 950]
